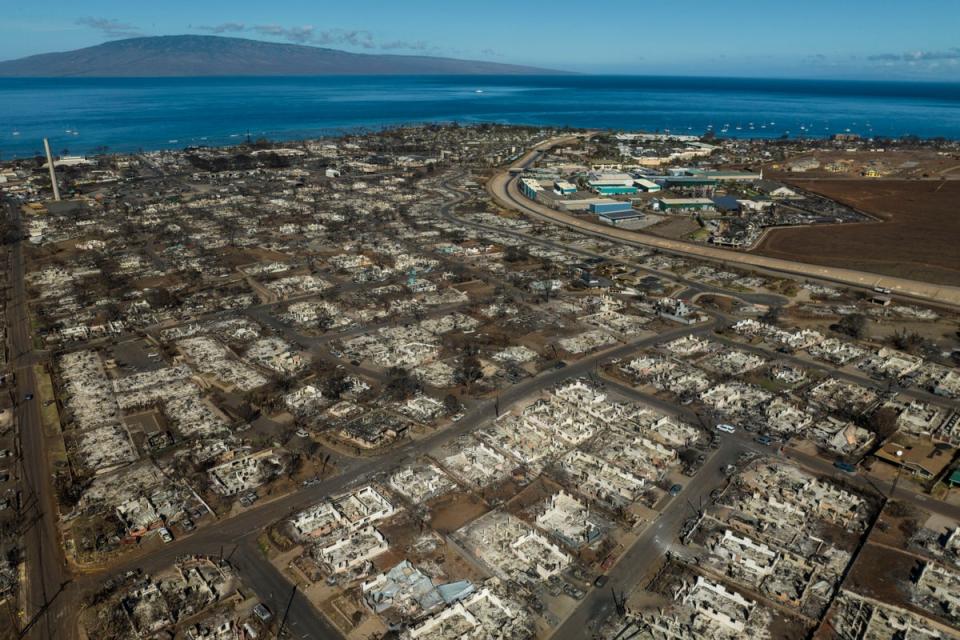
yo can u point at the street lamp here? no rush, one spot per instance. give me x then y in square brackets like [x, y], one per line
[893, 488]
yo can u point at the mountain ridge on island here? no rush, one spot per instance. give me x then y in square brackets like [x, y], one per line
[205, 56]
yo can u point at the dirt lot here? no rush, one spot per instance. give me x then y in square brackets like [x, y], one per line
[884, 574]
[892, 163]
[676, 227]
[917, 238]
[454, 510]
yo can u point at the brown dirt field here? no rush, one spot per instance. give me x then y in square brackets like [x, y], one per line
[454, 510]
[916, 239]
[882, 574]
[675, 228]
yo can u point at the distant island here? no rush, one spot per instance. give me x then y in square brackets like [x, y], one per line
[191, 55]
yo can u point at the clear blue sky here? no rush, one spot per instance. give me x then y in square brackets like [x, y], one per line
[916, 39]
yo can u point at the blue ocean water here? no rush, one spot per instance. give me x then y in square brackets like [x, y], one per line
[125, 114]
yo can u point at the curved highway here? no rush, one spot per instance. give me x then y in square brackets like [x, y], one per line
[502, 187]
[693, 288]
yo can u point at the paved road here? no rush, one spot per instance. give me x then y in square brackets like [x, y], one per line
[229, 531]
[45, 564]
[692, 286]
[655, 540]
[503, 188]
[865, 482]
[44, 552]
[659, 536]
[273, 588]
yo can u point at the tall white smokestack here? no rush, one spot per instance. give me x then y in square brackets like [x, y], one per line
[53, 175]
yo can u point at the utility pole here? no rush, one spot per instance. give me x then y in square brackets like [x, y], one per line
[619, 602]
[896, 479]
[53, 175]
[286, 611]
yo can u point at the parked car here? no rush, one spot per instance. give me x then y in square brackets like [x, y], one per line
[600, 581]
[726, 428]
[263, 612]
[844, 466]
[676, 489]
[573, 592]
[165, 535]
[765, 440]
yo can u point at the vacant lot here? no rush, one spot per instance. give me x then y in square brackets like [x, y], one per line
[891, 163]
[675, 228]
[916, 239]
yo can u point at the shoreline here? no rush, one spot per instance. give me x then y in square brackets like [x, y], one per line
[237, 140]
[126, 114]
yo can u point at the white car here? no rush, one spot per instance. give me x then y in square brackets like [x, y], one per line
[165, 535]
[726, 428]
